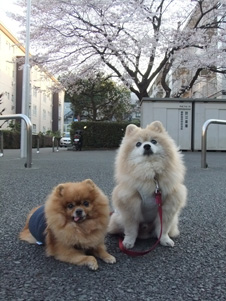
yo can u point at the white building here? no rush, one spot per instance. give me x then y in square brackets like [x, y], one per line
[46, 109]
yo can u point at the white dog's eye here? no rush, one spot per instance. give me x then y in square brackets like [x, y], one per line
[138, 144]
[153, 141]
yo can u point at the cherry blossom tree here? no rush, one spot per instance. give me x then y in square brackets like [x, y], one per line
[134, 40]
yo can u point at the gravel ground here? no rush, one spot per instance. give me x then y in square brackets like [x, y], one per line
[194, 269]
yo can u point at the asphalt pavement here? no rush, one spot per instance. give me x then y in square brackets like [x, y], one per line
[195, 269]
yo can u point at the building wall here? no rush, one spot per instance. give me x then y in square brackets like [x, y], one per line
[44, 116]
[8, 52]
[184, 118]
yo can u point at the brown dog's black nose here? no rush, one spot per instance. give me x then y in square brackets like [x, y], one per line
[79, 212]
[147, 146]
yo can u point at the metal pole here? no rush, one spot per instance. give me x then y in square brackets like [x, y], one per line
[203, 144]
[38, 144]
[26, 83]
[29, 134]
[29, 141]
[57, 142]
[204, 138]
[1, 142]
[53, 141]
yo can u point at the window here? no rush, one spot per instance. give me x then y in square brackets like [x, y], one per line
[34, 128]
[44, 114]
[34, 110]
[34, 91]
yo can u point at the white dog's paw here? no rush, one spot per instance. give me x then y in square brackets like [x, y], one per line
[128, 243]
[174, 232]
[166, 241]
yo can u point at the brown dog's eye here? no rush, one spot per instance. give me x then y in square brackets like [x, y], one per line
[86, 203]
[70, 206]
[138, 144]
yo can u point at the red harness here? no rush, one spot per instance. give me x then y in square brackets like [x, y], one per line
[158, 199]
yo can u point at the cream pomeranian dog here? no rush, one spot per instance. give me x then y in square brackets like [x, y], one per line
[147, 158]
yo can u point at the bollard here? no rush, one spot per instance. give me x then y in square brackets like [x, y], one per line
[38, 144]
[1, 143]
[57, 143]
[53, 141]
[204, 136]
[29, 134]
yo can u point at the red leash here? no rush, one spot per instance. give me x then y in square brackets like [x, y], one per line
[158, 199]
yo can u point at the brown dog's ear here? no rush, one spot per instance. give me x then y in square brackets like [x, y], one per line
[60, 190]
[130, 128]
[156, 126]
[90, 183]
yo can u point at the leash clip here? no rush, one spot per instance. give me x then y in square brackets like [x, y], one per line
[157, 189]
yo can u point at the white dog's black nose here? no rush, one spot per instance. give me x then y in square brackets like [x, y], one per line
[147, 147]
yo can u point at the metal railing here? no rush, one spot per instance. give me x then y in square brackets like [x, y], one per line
[1, 144]
[38, 140]
[204, 135]
[29, 135]
[53, 144]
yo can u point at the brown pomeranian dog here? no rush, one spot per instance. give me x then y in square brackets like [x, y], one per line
[72, 223]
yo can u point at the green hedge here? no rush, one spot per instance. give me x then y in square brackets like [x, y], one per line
[11, 140]
[100, 134]
[96, 135]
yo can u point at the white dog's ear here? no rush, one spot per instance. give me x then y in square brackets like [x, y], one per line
[156, 126]
[130, 128]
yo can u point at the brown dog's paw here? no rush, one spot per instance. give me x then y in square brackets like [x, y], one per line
[109, 259]
[92, 263]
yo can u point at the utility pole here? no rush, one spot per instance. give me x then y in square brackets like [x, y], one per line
[26, 85]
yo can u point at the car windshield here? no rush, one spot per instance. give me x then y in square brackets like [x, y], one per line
[67, 135]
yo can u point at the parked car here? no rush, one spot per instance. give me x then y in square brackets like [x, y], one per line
[65, 140]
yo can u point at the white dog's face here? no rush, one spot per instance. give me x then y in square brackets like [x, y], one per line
[144, 150]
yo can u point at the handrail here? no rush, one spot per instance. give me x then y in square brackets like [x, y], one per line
[204, 135]
[29, 134]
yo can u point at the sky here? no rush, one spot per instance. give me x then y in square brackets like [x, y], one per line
[10, 24]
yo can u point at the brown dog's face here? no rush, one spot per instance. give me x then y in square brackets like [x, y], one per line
[79, 210]
[77, 201]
